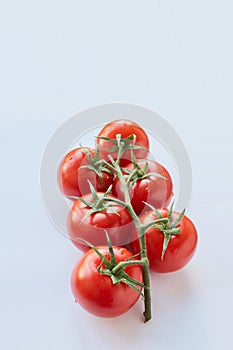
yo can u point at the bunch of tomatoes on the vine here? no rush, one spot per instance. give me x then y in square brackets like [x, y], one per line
[122, 218]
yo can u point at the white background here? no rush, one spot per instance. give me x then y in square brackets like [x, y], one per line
[59, 57]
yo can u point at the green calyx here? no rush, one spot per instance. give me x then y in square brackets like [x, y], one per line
[121, 144]
[139, 173]
[167, 225]
[98, 203]
[115, 270]
[96, 164]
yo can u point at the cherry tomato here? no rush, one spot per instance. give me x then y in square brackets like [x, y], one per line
[180, 249]
[96, 292]
[153, 190]
[114, 218]
[73, 180]
[126, 128]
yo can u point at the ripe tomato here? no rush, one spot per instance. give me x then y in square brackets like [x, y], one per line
[153, 190]
[73, 180]
[114, 218]
[180, 249]
[126, 128]
[95, 292]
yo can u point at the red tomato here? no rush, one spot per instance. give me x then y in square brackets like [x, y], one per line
[115, 219]
[152, 189]
[180, 249]
[73, 180]
[125, 128]
[95, 292]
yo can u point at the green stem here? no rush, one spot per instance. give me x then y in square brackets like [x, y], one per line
[133, 281]
[142, 240]
[120, 152]
[155, 223]
[114, 200]
[123, 264]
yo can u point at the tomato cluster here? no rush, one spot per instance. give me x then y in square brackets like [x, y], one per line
[109, 278]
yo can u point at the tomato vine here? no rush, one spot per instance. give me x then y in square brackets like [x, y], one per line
[120, 159]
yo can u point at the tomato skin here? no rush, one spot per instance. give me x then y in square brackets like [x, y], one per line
[181, 247]
[73, 180]
[95, 292]
[153, 190]
[115, 219]
[125, 128]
